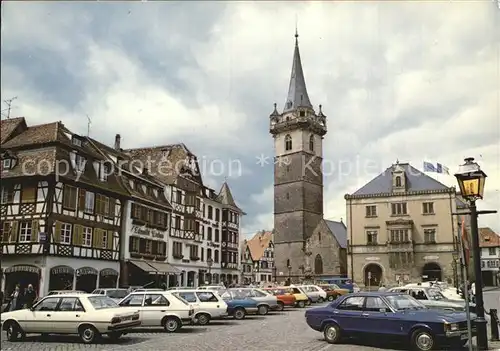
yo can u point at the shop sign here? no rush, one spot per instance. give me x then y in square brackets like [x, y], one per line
[86, 271]
[155, 233]
[23, 268]
[62, 270]
[108, 272]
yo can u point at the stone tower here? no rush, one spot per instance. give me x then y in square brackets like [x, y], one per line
[298, 178]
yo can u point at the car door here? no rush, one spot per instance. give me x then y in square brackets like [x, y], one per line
[68, 315]
[155, 308]
[210, 303]
[40, 318]
[349, 313]
[135, 300]
[378, 318]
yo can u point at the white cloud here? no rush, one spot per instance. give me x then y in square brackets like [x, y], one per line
[400, 81]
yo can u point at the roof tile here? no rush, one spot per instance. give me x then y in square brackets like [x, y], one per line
[259, 243]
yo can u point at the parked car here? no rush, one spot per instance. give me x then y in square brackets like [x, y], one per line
[285, 298]
[264, 300]
[209, 305]
[239, 305]
[115, 294]
[333, 291]
[220, 289]
[86, 315]
[147, 289]
[448, 292]
[355, 288]
[432, 298]
[160, 308]
[301, 299]
[314, 293]
[389, 314]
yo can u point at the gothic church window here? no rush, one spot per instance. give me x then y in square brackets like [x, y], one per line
[288, 142]
[311, 142]
[318, 264]
[398, 181]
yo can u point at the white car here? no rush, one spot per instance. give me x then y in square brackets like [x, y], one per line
[160, 308]
[87, 315]
[208, 304]
[218, 288]
[114, 294]
[314, 293]
[449, 293]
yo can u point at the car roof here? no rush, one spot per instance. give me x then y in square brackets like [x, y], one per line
[75, 295]
[374, 293]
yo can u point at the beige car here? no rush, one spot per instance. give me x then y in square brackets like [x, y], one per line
[86, 315]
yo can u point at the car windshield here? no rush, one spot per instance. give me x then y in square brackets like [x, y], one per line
[435, 294]
[117, 293]
[181, 299]
[404, 302]
[102, 302]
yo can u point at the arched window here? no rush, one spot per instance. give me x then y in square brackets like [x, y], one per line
[398, 181]
[288, 142]
[311, 142]
[288, 263]
[318, 264]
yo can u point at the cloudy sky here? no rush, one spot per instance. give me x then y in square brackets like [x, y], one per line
[409, 81]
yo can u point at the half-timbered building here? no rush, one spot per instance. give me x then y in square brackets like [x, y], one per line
[258, 258]
[146, 224]
[194, 214]
[230, 246]
[61, 210]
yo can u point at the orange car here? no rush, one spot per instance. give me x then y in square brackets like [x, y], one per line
[333, 291]
[284, 297]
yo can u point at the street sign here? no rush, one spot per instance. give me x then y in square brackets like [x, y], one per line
[369, 275]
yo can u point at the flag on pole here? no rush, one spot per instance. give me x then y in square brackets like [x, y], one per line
[465, 243]
[442, 169]
[429, 167]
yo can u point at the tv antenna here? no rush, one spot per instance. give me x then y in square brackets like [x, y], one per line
[8, 102]
[89, 124]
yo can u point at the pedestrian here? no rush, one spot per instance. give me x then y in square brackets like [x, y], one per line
[382, 288]
[15, 299]
[30, 296]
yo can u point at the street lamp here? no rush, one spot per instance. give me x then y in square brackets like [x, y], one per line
[471, 180]
[210, 262]
[289, 274]
[274, 274]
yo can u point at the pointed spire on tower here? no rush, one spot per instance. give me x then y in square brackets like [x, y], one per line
[297, 91]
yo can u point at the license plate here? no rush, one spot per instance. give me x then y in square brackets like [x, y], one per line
[125, 318]
[464, 337]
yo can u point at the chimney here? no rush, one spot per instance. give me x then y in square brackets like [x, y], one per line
[117, 142]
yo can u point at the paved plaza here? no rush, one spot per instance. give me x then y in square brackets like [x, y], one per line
[279, 331]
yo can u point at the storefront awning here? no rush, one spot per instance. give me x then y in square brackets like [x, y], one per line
[164, 268]
[144, 266]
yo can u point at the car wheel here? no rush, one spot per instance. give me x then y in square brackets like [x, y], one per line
[331, 333]
[281, 306]
[115, 335]
[263, 310]
[331, 298]
[203, 318]
[171, 324]
[320, 300]
[13, 331]
[301, 304]
[239, 314]
[309, 302]
[422, 340]
[88, 334]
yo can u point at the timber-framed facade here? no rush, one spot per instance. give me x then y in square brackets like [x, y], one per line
[61, 210]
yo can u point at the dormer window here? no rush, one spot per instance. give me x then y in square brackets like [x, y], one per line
[302, 113]
[131, 183]
[288, 142]
[8, 161]
[78, 162]
[104, 171]
[398, 181]
[76, 141]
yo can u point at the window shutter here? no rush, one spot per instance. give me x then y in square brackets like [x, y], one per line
[14, 231]
[35, 230]
[96, 238]
[109, 243]
[77, 235]
[56, 236]
[112, 206]
[81, 200]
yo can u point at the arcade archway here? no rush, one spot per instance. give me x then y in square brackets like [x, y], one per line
[61, 278]
[431, 271]
[373, 275]
[86, 279]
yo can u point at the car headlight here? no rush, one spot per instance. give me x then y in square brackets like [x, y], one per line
[451, 327]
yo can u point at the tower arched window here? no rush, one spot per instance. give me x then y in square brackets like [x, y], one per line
[288, 142]
[398, 181]
[311, 142]
[318, 264]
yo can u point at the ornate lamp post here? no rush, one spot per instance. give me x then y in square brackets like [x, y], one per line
[210, 262]
[471, 180]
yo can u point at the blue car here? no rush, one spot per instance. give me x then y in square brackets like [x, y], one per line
[239, 307]
[387, 315]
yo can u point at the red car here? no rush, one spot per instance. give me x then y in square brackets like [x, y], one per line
[284, 297]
